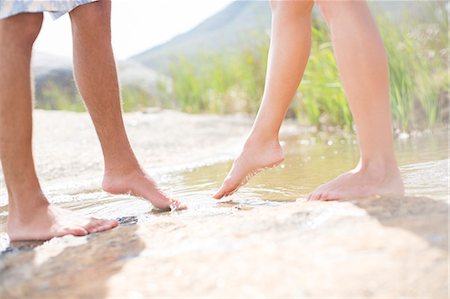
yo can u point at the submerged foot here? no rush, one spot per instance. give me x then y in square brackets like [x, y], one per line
[373, 180]
[138, 183]
[255, 156]
[47, 221]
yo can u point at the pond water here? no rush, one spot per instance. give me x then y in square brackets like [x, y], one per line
[311, 159]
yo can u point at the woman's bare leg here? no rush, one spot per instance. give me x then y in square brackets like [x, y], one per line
[289, 52]
[363, 68]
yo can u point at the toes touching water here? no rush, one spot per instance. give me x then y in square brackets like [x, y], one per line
[138, 183]
[45, 221]
[361, 182]
[255, 157]
[372, 178]
[49, 221]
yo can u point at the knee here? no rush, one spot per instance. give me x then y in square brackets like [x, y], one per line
[21, 29]
[291, 9]
[92, 16]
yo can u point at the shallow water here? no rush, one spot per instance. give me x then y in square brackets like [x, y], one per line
[311, 159]
[314, 159]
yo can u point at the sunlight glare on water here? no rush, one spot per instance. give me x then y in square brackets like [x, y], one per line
[311, 159]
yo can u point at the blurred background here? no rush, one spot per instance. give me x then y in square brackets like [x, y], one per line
[210, 57]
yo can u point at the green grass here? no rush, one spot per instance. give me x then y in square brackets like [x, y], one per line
[55, 97]
[219, 82]
[418, 65]
[233, 81]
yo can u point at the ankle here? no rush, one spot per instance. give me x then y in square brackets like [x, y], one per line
[121, 167]
[21, 208]
[120, 158]
[379, 167]
[24, 193]
[262, 139]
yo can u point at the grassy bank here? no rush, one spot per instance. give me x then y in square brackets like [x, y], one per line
[233, 81]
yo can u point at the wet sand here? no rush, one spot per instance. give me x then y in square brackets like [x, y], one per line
[390, 247]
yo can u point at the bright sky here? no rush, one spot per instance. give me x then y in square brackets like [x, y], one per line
[137, 25]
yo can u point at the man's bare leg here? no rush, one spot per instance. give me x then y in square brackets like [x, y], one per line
[289, 52]
[31, 216]
[363, 68]
[96, 76]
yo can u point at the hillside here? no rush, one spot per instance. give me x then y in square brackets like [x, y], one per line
[226, 29]
[238, 25]
[235, 25]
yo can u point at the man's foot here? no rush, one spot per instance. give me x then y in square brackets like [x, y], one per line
[137, 183]
[47, 221]
[256, 156]
[375, 179]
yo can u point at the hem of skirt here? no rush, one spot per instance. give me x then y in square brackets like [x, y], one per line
[18, 13]
[55, 14]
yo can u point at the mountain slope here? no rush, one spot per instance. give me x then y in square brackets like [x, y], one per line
[233, 27]
[226, 29]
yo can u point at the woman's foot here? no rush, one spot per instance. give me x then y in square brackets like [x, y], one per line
[137, 183]
[372, 179]
[44, 221]
[256, 156]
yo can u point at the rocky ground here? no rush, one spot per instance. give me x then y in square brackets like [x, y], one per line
[381, 247]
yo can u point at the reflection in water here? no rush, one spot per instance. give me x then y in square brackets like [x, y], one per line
[311, 159]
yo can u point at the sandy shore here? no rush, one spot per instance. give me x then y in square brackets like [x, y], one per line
[368, 248]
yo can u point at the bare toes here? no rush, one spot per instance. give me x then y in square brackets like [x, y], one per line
[229, 193]
[104, 227]
[332, 196]
[111, 224]
[228, 187]
[178, 205]
[315, 196]
[100, 228]
[218, 195]
[92, 225]
[323, 196]
[75, 231]
[98, 225]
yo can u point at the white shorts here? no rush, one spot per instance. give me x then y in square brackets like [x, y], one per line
[55, 7]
